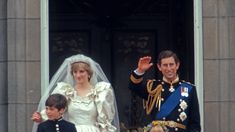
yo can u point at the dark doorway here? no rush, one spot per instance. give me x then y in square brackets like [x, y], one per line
[116, 33]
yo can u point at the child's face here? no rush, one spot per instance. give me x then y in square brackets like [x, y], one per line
[53, 113]
[156, 129]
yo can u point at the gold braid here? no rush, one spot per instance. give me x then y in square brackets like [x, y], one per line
[154, 97]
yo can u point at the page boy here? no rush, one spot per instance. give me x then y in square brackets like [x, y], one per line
[55, 107]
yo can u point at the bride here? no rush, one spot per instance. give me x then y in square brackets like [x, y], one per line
[92, 104]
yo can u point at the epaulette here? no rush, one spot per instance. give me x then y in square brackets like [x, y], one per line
[151, 80]
[155, 82]
[188, 83]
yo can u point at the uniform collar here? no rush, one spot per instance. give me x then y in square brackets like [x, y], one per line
[57, 120]
[171, 82]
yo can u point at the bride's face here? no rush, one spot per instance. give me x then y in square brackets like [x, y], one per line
[81, 75]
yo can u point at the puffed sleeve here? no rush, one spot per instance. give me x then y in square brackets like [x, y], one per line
[62, 88]
[65, 89]
[105, 106]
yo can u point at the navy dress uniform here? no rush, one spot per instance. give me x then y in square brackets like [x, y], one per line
[172, 104]
[60, 125]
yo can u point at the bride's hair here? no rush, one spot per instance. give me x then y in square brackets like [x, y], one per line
[82, 65]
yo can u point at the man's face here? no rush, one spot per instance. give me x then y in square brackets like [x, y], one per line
[169, 68]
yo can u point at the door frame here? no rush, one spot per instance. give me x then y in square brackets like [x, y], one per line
[44, 15]
[198, 56]
[198, 50]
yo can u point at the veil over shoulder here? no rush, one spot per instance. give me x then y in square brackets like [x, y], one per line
[63, 74]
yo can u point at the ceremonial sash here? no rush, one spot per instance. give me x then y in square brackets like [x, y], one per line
[173, 100]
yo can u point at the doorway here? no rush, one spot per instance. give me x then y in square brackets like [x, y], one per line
[116, 34]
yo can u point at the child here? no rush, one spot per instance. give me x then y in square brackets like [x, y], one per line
[155, 126]
[55, 107]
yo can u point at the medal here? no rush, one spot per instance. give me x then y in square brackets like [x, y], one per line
[171, 89]
[184, 91]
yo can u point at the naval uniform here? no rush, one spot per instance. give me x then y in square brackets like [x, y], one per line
[174, 105]
[59, 125]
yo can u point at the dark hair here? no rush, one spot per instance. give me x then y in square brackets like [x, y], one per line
[58, 101]
[166, 54]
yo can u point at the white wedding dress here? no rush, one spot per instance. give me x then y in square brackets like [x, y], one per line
[91, 113]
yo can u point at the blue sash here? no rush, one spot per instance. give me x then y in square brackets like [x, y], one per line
[172, 101]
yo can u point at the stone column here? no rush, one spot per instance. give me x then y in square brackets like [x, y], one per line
[23, 51]
[219, 64]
